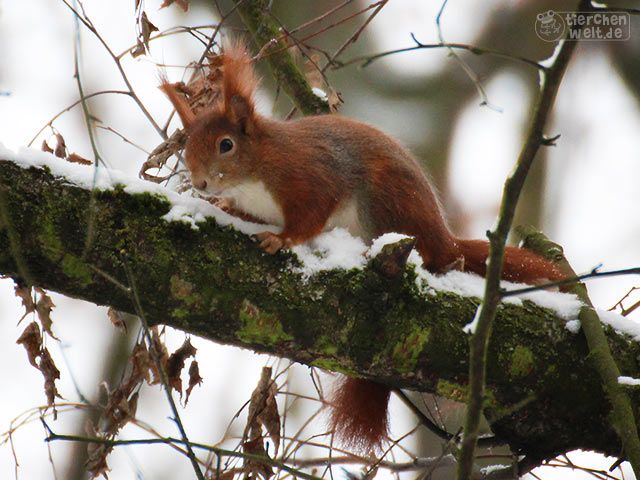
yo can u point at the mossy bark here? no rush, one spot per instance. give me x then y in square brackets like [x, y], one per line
[269, 40]
[544, 397]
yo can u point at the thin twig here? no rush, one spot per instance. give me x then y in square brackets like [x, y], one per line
[354, 38]
[163, 374]
[441, 433]
[69, 107]
[87, 23]
[570, 281]
[123, 138]
[365, 61]
[464, 65]
[88, 118]
[52, 436]
[626, 311]
[550, 84]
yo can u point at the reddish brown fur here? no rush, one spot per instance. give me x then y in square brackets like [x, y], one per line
[311, 167]
[359, 415]
[239, 78]
[187, 117]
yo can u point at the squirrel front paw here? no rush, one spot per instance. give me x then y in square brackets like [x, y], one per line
[223, 203]
[272, 242]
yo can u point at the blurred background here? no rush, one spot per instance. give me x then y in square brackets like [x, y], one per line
[584, 192]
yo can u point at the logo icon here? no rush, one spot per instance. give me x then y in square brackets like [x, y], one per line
[550, 26]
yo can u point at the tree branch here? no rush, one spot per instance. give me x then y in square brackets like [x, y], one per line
[622, 412]
[214, 282]
[549, 85]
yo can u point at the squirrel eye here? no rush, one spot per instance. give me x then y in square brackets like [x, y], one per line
[226, 145]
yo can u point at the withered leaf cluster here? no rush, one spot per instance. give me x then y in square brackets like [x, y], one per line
[61, 151]
[202, 92]
[33, 340]
[122, 402]
[145, 29]
[263, 413]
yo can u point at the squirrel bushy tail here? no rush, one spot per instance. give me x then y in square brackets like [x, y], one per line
[359, 413]
[519, 265]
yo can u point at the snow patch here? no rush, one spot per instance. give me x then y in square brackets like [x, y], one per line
[386, 239]
[548, 62]
[492, 468]
[574, 326]
[184, 208]
[473, 324]
[329, 250]
[620, 323]
[318, 92]
[622, 380]
[565, 305]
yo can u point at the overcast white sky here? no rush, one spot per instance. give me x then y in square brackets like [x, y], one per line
[592, 196]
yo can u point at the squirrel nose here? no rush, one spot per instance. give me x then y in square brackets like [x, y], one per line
[200, 184]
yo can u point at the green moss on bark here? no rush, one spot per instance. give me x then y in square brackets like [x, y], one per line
[215, 282]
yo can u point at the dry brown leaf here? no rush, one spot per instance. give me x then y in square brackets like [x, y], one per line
[43, 309]
[194, 378]
[176, 364]
[141, 363]
[75, 158]
[116, 413]
[228, 475]
[61, 147]
[24, 294]
[132, 406]
[163, 355]
[117, 319]
[183, 4]
[96, 463]
[202, 92]
[263, 409]
[139, 50]
[45, 147]
[334, 99]
[146, 29]
[159, 156]
[32, 341]
[256, 468]
[50, 373]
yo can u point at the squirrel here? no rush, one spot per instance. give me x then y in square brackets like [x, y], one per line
[316, 173]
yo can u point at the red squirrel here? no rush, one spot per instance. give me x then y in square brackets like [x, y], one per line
[320, 172]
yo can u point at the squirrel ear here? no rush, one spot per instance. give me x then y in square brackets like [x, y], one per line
[179, 103]
[241, 111]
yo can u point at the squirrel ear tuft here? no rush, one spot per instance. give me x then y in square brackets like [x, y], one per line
[239, 84]
[241, 113]
[179, 103]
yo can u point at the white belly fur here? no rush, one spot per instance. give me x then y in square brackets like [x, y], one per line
[254, 198]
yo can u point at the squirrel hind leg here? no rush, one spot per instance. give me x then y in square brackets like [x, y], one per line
[359, 414]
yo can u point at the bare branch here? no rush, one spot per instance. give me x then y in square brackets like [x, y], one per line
[550, 84]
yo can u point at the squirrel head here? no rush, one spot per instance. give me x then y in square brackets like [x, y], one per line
[220, 151]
